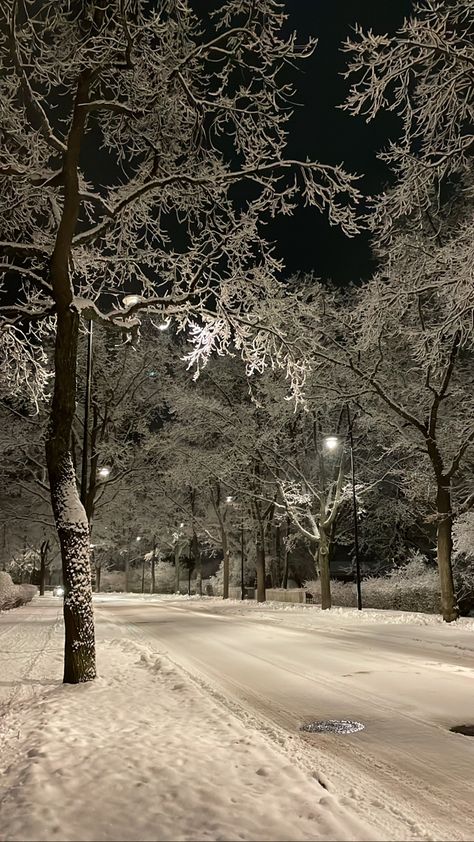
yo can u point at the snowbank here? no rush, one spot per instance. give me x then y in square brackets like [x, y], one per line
[11, 595]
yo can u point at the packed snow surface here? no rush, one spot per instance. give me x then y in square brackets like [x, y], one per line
[191, 732]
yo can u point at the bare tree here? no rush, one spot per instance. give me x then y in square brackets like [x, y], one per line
[125, 132]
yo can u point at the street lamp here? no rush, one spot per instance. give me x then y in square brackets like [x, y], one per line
[331, 443]
[138, 538]
[87, 403]
[130, 300]
[104, 472]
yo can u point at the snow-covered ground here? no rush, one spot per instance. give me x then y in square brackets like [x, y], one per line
[191, 730]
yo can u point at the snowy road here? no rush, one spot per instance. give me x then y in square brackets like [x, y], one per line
[407, 684]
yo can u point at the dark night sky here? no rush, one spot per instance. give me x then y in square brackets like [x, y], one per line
[330, 135]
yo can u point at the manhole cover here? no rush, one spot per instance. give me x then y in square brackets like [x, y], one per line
[333, 726]
[467, 730]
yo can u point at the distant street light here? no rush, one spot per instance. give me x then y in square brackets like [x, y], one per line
[229, 498]
[104, 472]
[331, 443]
[164, 325]
[138, 538]
[130, 300]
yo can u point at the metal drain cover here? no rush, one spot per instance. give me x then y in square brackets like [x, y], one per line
[333, 726]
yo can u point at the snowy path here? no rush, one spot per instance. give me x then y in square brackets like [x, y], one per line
[142, 754]
[28, 648]
[407, 683]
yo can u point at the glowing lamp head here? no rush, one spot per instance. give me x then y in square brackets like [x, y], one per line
[331, 442]
[130, 300]
[104, 472]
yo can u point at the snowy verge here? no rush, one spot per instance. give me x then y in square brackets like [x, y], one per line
[143, 754]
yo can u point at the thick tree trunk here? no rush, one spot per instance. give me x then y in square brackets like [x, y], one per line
[69, 514]
[324, 572]
[260, 563]
[449, 605]
[73, 533]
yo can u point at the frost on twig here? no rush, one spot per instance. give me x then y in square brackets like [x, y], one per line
[196, 165]
[24, 368]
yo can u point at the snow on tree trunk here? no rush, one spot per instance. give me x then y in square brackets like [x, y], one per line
[73, 533]
[69, 514]
[322, 556]
[449, 606]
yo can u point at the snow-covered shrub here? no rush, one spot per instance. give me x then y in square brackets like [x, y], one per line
[11, 595]
[463, 561]
[463, 535]
[112, 581]
[411, 587]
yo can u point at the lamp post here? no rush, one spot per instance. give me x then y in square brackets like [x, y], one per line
[87, 403]
[332, 442]
[242, 559]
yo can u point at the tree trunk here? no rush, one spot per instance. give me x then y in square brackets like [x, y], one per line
[97, 578]
[69, 514]
[286, 555]
[73, 534]
[226, 562]
[449, 605]
[177, 553]
[196, 554]
[43, 564]
[70, 517]
[127, 574]
[143, 576]
[260, 563]
[324, 573]
[153, 568]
